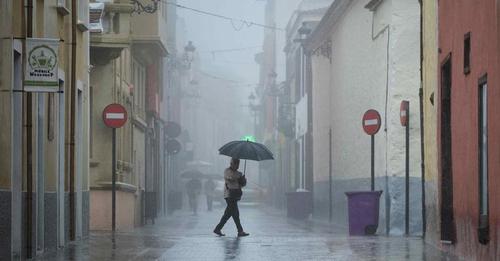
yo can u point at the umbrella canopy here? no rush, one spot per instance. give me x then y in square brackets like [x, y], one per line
[192, 174]
[246, 150]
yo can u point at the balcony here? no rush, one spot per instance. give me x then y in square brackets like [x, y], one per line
[149, 31]
[109, 29]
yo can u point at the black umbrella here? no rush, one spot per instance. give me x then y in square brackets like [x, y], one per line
[192, 174]
[247, 150]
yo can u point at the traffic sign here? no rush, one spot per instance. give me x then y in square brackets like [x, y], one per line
[371, 122]
[114, 115]
[173, 129]
[173, 146]
[404, 109]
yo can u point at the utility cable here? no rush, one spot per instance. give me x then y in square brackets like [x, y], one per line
[232, 20]
[232, 50]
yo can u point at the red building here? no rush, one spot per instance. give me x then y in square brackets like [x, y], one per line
[469, 127]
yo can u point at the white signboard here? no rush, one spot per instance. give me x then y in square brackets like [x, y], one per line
[41, 65]
[301, 117]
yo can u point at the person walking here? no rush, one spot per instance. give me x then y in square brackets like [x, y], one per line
[234, 181]
[193, 189]
[209, 192]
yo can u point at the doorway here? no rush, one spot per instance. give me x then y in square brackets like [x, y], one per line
[447, 220]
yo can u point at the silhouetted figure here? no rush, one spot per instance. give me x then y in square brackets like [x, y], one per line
[193, 189]
[209, 192]
[234, 181]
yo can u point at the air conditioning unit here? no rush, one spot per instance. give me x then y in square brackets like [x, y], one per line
[96, 11]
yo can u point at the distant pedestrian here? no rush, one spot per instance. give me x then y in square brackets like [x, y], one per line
[234, 181]
[193, 189]
[209, 192]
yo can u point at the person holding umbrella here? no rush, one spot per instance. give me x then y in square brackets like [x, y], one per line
[234, 181]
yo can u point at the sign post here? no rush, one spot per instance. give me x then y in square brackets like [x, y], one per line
[371, 125]
[114, 116]
[405, 122]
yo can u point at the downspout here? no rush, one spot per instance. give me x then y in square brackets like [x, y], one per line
[72, 93]
[386, 195]
[29, 144]
[422, 125]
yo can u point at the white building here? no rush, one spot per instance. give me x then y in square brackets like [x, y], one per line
[365, 55]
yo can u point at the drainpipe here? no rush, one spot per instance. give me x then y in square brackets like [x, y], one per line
[422, 134]
[386, 195]
[29, 144]
[72, 93]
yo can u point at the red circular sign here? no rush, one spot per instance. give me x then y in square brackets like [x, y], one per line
[371, 122]
[114, 115]
[403, 112]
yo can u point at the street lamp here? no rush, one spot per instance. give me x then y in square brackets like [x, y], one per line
[139, 7]
[304, 31]
[254, 108]
[251, 99]
[189, 50]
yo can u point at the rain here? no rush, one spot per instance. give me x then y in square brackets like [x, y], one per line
[249, 130]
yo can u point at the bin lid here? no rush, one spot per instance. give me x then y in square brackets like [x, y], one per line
[354, 193]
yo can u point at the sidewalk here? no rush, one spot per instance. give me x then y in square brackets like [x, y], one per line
[183, 236]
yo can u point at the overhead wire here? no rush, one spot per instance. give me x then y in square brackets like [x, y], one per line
[230, 19]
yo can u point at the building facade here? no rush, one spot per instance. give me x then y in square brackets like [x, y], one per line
[293, 146]
[127, 55]
[365, 55]
[467, 128]
[44, 190]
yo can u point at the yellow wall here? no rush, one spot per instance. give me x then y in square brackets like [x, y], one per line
[430, 83]
[5, 97]
[47, 23]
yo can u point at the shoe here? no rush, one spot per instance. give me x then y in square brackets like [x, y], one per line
[243, 234]
[219, 233]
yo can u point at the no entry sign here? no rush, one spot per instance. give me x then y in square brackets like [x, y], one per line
[371, 122]
[114, 115]
[404, 111]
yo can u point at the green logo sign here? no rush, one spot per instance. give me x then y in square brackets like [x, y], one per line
[41, 67]
[42, 59]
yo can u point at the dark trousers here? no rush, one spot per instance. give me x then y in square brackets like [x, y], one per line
[193, 203]
[231, 211]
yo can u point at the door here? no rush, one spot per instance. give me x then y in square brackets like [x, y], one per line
[447, 222]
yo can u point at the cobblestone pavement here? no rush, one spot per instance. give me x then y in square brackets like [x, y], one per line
[183, 236]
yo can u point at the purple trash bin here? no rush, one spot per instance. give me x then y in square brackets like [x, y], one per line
[363, 212]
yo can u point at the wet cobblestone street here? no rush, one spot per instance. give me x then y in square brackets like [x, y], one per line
[183, 236]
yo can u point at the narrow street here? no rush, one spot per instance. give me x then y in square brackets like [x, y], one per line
[183, 236]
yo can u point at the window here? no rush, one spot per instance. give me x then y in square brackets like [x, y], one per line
[467, 53]
[139, 81]
[483, 229]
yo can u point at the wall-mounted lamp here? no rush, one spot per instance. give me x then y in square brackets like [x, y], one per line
[189, 50]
